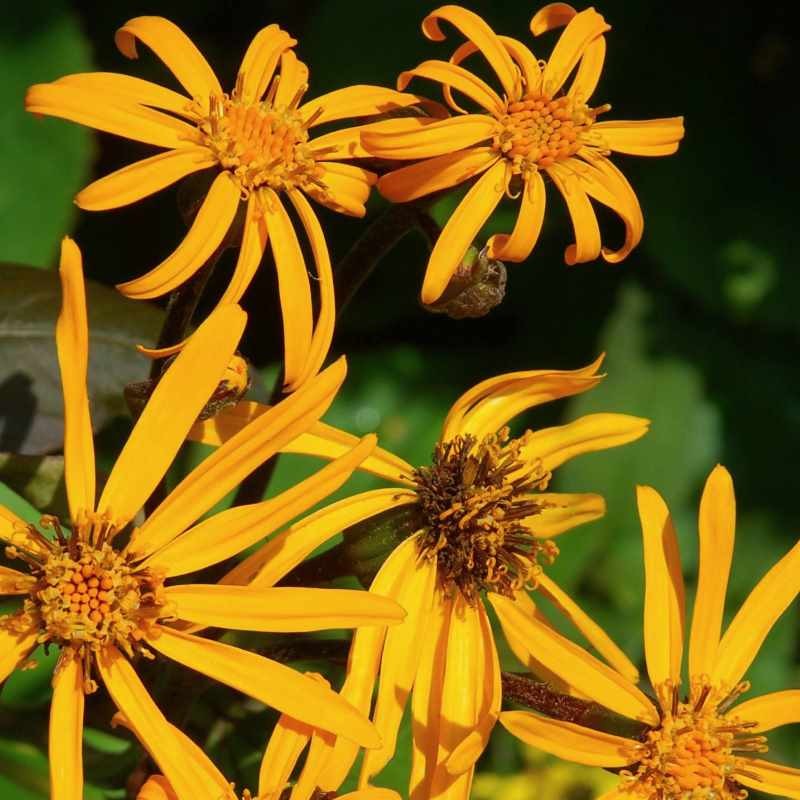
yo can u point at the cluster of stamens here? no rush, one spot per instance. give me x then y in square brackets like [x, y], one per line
[692, 755]
[537, 131]
[476, 503]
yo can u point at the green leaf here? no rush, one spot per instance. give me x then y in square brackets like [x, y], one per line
[38, 479]
[23, 771]
[31, 413]
[44, 162]
[21, 507]
[29, 688]
[104, 742]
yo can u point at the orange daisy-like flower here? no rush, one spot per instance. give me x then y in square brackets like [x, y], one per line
[535, 125]
[700, 743]
[99, 591]
[480, 524]
[258, 137]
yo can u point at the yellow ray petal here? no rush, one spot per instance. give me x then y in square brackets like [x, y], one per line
[175, 49]
[14, 530]
[490, 404]
[411, 141]
[323, 330]
[260, 60]
[769, 711]
[575, 665]
[371, 793]
[772, 778]
[345, 188]
[580, 32]
[594, 634]
[584, 222]
[319, 752]
[13, 582]
[563, 512]
[66, 731]
[238, 457]
[550, 17]
[461, 229]
[640, 137]
[90, 108]
[518, 246]
[143, 178]
[156, 787]
[72, 341]
[754, 620]
[174, 405]
[664, 592]
[586, 434]
[346, 142]
[356, 101]
[284, 747]
[569, 741]
[293, 80]
[455, 77]
[152, 729]
[269, 682]
[207, 232]
[589, 71]
[15, 646]
[401, 653]
[434, 174]
[129, 89]
[481, 35]
[717, 526]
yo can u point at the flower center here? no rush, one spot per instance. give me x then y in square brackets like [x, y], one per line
[537, 131]
[693, 754]
[475, 499]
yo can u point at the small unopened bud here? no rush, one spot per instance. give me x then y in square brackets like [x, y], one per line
[477, 286]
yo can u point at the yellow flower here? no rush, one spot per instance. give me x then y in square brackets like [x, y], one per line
[285, 746]
[698, 743]
[99, 591]
[535, 125]
[258, 138]
[482, 524]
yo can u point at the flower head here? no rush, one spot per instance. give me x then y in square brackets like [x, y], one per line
[98, 586]
[699, 742]
[539, 124]
[258, 138]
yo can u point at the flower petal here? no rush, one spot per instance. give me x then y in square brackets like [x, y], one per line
[284, 747]
[206, 234]
[640, 137]
[769, 711]
[89, 107]
[156, 787]
[717, 526]
[259, 62]
[345, 188]
[356, 101]
[434, 174]
[174, 405]
[66, 731]
[293, 81]
[15, 645]
[754, 620]
[584, 222]
[175, 49]
[455, 77]
[569, 741]
[772, 778]
[552, 16]
[13, 582]
[573, 664]
[214, 477]
[305, 787]
[664, 604]
[554, 446]
[589, 71]
[461, 229]
[518, 246]
[143, 178]
[346, 142]
[269, 682]
[72, 342]
[481, 35]
[563, 512]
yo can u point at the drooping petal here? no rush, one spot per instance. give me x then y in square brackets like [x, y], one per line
[664, 604]
[461, 229]
[584, 221]
[569, 741]
[717, 526]
[552, 16]
[143, 178]
[284, 747]
[772, 778]
[481, 35]
[346, 143]
[213, 478]
[269, 682]
[174, 405]
[66, 731]
[589, 71]
[639, 137]
[554, 446]
[574, 665]
[770, 711]
[754, 620]
[434, 174]
[563, 512]
[345, 188]
[72, 342]
[518, 246]
[156, 787]
[90, 108]
[259, 62]
[454, 77]
[16, 644]
[14, 582]
[175, 49]
[293, 80]
[356, 101]
[490, 404]
[594, 634]
[207, 232]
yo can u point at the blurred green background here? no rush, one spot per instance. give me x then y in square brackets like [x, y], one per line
[699, 323]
